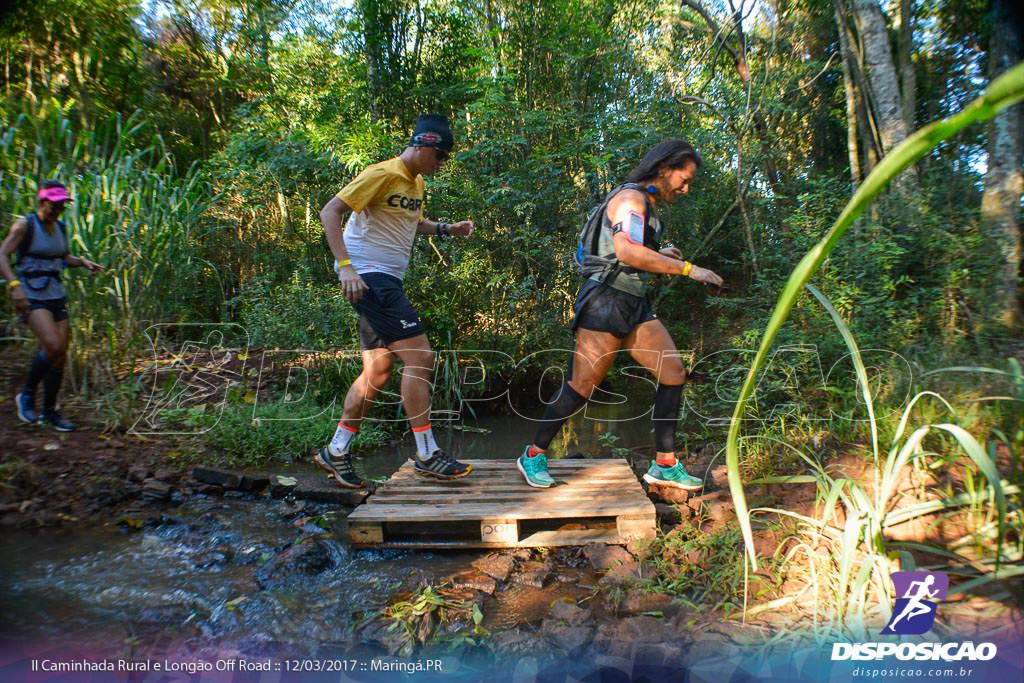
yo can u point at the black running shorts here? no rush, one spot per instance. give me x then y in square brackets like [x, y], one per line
[606, 309]
[58, 307]
[385, 313]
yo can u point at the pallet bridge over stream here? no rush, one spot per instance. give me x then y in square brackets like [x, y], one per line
[596, 501]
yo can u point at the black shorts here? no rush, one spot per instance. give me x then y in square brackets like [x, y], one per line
[59, 308]
[606, 309]
[385, 313]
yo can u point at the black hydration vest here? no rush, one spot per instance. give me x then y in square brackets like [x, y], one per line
[36, 269]
[595, 252]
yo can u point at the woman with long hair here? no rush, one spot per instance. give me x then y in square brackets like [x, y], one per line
[612, 313]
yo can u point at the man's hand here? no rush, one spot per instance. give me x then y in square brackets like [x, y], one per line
[672, 252]
[19, 299]
[706, 276]
[462, 228]
[351, 284]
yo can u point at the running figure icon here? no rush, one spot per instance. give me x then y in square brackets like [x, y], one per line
[914, 612]
[915, 606]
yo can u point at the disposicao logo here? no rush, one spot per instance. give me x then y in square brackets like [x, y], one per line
[917, 599]
[914, 613]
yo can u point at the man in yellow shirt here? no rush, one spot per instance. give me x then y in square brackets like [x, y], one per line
[372, 254]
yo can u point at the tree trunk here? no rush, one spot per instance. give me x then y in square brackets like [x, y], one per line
[1003, 180]
[908, 77]
[880, 73]
[851, 100]
[372, 48]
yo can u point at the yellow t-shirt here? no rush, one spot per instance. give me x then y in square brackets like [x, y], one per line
[387, 204]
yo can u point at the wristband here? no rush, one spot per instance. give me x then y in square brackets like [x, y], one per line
[442, 229]
[14, 283]
[346, 262]
[687, 267]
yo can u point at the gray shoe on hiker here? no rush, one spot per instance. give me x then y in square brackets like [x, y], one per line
[340, 467]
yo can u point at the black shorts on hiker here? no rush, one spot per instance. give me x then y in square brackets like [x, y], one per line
[385, 313]
[606, 309]
[59, 308]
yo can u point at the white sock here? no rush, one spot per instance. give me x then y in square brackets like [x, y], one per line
[342, 439]
[425, 444]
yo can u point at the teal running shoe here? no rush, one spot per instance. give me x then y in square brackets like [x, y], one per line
[535, 470]
[674, 476]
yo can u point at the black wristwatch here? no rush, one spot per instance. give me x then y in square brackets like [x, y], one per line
[443, 229]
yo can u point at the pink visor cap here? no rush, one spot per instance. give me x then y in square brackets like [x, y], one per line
[54, 194]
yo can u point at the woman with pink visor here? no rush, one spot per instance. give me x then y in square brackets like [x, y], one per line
[41, 244]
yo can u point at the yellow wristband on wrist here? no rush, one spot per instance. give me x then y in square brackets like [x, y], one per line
[687, 267]
[14, 283]
[346, 262]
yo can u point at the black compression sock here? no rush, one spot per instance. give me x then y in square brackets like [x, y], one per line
[51, 386]
[666, 411]
[564, 406]
[40, 364]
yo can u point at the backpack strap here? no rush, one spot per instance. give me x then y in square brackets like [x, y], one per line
[25, 246]
[648, 204]
[64, 234]
[616, 266]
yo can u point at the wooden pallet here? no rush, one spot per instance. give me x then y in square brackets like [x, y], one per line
[597, 501]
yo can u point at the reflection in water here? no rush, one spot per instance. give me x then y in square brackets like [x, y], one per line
[506, 436]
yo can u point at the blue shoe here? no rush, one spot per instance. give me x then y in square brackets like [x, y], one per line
[26, 408]
[52, 417]
[674, 476]
[535, 470]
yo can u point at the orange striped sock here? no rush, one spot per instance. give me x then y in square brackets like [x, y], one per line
[425, 444]
[666, 459]
[342, 439]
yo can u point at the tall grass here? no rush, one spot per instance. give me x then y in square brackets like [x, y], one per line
[133, 212]
[1001, 93]
[852, 577]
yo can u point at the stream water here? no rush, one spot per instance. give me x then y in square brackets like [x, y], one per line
[199, 578]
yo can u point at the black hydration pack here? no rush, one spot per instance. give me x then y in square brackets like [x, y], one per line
[32, 223]
[589, 261]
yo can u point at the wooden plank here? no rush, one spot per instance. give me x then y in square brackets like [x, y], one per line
[513, 476]
[568, 466]
[567, 463]
[632, 527]
[410, 512]
[489, 466]
[397, 498]
[365, 533]
[540, 539]
[445, 490]
[533, 494]
[509, 467]
[512, 472]
[499, 531]
[546, 496]
[595, 492]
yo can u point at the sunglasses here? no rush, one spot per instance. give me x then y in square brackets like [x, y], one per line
[441, 154]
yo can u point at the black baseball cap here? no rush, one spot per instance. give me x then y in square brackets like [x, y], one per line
[432, 130]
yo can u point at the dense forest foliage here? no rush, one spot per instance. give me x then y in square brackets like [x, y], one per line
[201, 138]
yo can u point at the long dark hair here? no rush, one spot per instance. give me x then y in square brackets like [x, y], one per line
[665, 154]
